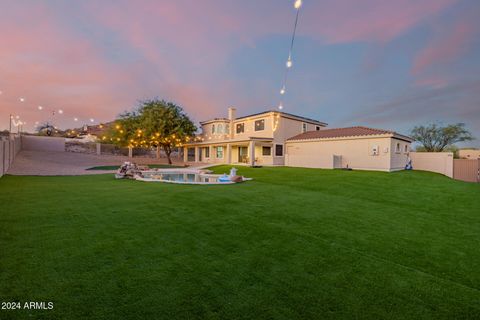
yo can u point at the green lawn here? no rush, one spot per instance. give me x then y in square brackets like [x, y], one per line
[150, 165]
[291, 244]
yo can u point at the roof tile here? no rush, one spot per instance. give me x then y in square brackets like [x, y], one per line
[343, 132]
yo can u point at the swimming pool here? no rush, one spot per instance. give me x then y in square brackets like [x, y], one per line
[185, 176]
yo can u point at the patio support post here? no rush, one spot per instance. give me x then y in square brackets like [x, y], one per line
[197, 155]
[185, 154]
[251, 152]
[130, 152]
[99, 149]
[229, 153]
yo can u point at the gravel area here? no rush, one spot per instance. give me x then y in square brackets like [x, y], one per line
[48, 163]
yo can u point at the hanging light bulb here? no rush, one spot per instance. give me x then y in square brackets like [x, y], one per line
[280, 106]
[75, 119]
[282, 91]
[289, 62]
[92, 120]
[60, 111]
[298, 4]
[22, 99]
[40, 108]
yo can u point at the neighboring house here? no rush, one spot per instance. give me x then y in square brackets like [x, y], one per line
[469, 154]
[279, 138]
[355, 147]
[257, 139]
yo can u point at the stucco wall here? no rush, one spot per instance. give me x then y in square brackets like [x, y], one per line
[440, 162]
[399, 158]
[355, 153]
[43, 143]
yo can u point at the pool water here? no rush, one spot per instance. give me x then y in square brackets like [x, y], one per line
[180, 177]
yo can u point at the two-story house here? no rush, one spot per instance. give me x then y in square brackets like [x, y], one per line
[257, 139]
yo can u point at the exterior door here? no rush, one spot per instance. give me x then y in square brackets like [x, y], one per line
[242, 154]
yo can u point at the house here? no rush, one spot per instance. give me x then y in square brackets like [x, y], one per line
[257, 139]
[280, 138]
[469, 154]
[354, 147]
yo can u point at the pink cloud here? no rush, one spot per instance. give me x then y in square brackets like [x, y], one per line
[369, 20]
[445, 47]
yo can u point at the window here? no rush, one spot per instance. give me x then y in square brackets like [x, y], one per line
[279, 150]
[266, 151]
[397, 149]
[317, 128]
[219, 152]
[304, 127]
[213, 128]
[207, 152]
[220, 128]
[260, 125]
[405, 149]
[227, 128]
[240, 127]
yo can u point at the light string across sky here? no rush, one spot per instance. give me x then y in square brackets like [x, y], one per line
[52, 112]
[289, 64]
[16, 119]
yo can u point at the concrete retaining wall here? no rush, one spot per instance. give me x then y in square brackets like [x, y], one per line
[43, 143]
[440, 162]
[9, 147]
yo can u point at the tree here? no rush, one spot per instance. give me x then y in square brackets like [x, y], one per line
[46, 128]
[155, 123]
[436, 138]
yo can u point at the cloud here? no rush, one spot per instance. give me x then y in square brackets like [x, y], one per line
[340, 21]
[448, 45]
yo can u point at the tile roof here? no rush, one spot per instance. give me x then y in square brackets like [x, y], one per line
[345, 132]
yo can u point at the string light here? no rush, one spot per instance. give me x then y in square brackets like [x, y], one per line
[22, 99]
[60, 111]
[40, 108]
[289, 64]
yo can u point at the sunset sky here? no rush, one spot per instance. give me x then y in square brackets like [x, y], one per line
[384, 64]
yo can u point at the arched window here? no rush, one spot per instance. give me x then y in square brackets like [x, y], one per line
[397, 149]
[213, 128]
[406, 148]
[220, 129]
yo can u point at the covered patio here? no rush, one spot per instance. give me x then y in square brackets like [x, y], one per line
[252, 151]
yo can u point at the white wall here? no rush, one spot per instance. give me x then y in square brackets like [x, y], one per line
[43, 143]
[356, 153]
[9, 147]
[440, 162]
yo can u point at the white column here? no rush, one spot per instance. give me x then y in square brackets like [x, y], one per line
[229, 153]
[251, 152]
[185, 154]
[130, 152]
[197, 158]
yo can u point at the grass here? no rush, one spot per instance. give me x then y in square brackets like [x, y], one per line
[150, 165]
[291, 244]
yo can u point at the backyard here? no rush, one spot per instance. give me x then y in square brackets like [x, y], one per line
[293, 243]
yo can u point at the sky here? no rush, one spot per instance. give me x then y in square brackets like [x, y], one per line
[384, 64]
